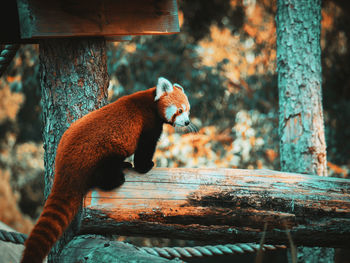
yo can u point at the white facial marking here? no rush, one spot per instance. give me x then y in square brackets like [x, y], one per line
[170, 111]
[184, 107]
[181, 119]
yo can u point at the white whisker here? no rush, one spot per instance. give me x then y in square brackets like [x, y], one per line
[193, 128]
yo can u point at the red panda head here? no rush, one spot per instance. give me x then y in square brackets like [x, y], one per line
[173, 104]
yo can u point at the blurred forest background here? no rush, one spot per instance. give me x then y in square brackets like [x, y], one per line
[225, 58]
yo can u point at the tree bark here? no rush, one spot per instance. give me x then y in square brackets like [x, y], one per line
[301, 126]
[74, 81]
[224, 205]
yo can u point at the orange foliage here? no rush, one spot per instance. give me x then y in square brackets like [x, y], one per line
[271, 154]
[242, 59]
[335, 169]
[13, 78]
[210, 147]
[10, 213]
[329, 13]
[10, 102]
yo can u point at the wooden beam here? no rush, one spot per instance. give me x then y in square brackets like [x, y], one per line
[83, 18]
[118, 38]
[224, 205]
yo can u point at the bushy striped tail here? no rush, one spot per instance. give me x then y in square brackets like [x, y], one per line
[58, 213]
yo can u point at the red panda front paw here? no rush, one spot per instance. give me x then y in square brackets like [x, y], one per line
[144, 167]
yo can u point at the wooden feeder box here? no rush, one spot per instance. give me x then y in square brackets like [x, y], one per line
[28, 21]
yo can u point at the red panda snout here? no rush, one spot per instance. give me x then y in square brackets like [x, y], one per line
[182, 119]
[178, 117]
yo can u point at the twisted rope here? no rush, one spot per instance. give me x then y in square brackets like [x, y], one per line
[6, 56]
[172, 252]
[205, 251]
[14, 237]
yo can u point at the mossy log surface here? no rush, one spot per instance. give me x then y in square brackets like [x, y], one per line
[224, 206]
[96, 248]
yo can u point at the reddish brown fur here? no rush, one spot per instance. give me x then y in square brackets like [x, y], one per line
[91, 153]
[176, 98]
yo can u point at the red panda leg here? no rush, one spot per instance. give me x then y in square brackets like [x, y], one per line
[145, 151]
[109, 173]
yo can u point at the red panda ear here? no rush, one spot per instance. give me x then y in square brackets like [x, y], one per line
[163, 86]
[178, 86]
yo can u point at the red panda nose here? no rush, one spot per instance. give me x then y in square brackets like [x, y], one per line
[187, 123]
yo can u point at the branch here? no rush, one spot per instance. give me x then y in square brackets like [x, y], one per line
[224, 205]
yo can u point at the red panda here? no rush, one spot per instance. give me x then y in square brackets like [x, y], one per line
[92, 151]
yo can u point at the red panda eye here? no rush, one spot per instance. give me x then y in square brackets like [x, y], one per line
[180, 110]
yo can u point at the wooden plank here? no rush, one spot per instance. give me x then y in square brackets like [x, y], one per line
[88, 18]
[226, 205]
[118, 38]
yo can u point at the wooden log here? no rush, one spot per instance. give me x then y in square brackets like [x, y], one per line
[224, 205]
[91, 18]
[94, 248]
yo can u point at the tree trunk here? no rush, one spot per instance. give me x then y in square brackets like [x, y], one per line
[74, 81]
[301, 125]
[224, 206]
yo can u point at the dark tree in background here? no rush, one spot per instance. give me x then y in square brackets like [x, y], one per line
[336, 82]
[74, 82]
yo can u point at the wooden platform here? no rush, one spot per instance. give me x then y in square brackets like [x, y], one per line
[224, 205]
[31, 20]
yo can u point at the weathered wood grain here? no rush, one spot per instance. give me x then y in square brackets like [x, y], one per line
[225, 205]
[77, 18]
